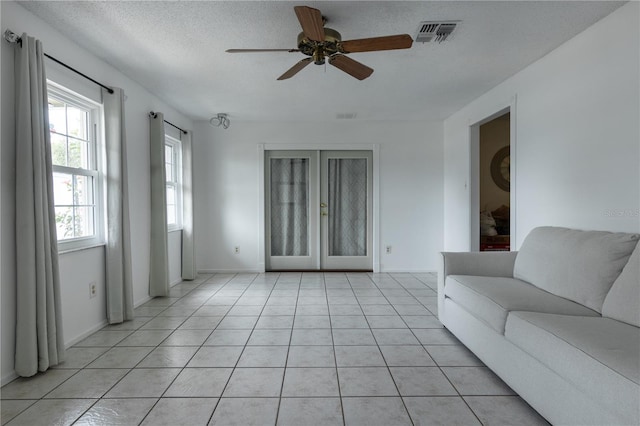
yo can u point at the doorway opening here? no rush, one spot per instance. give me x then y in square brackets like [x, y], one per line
[492, 187]
[318, 210]
[495, 184]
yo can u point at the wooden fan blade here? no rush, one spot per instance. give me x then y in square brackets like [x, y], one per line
[400, 41]
[295, 69]
[260, 50]
[311, 22]
[351, 67]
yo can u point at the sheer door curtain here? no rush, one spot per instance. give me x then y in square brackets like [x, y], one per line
[289, 206]
[347, 206]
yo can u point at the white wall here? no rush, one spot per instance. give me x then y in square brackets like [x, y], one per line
[81, 315]
[577, 150]
[174, 241]
[227, 190]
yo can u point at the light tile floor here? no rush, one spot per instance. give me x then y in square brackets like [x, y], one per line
[266, 349]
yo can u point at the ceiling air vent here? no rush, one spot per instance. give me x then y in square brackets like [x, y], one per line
[346, 115]
[432, 31]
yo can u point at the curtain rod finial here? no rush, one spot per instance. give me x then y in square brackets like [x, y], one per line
[11, 37]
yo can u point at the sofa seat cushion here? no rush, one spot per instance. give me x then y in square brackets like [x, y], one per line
[600, 356]
[490, 299]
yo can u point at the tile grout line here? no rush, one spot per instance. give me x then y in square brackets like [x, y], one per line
[86, 367]
[89, 363]
[448, 379]
[417, 300]
[182, 369]
[379, 350]
[333, 347]
[284, 371]
[436, 364]
[233, 369]
[107, 349]
[254, 287]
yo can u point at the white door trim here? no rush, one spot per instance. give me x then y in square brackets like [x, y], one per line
[346, 262]
[375, 148]
[311, 260]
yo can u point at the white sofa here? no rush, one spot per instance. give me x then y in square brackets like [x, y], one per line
[558, 321]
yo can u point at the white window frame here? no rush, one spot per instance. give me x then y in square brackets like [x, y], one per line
[96, 172]
[176, 183]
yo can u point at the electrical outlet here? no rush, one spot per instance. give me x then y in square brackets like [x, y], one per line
[388, 249]
[236, 250]
[93, 289]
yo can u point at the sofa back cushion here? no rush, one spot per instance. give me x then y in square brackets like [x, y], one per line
[577, 265]
[623, 300]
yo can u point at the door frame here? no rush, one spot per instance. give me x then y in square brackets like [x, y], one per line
[374, 148]
[312, 259]
[345, 262]
[493, 112]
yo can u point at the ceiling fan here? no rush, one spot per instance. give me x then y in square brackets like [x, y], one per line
[319, 42]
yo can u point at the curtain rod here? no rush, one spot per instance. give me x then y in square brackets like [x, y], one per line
[155, 115]
[12, 37]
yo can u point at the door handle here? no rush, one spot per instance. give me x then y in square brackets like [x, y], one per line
[323, 205]
[324, 214]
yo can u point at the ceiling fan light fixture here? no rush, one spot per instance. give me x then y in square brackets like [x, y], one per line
[329, 45]
[318, 56]
[221, 119]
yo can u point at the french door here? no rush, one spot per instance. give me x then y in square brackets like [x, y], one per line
[318, 210]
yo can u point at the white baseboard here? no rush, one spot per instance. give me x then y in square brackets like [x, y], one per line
[257, 271]
[141, 302]
[86, 334]
[8, 378]
[12, 375]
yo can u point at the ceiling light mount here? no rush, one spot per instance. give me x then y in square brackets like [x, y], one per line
[222, 119]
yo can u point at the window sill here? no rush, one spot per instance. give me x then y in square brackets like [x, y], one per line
[174, 230]
[75, 249]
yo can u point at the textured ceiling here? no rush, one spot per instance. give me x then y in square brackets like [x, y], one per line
[177, 51]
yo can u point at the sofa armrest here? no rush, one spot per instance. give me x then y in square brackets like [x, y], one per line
[486, 264]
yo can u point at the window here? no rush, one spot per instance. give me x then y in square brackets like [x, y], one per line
[173, 170]
[73, 125]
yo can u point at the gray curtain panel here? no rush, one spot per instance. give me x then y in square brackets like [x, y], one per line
[347, 207]
[159, 257]
[119, 281]
[189, 271]
[39, 340]
[289, 206]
